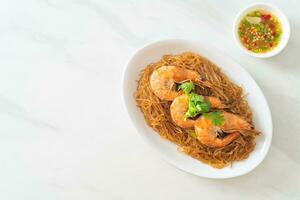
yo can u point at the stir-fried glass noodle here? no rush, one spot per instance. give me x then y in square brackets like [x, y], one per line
[157, 111]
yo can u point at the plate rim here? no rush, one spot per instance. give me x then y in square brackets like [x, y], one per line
[219, 53]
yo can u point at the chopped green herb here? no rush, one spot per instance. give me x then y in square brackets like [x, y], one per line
[205, 107]
[187, 87]
[197, 105]
[196, 97]
[215, 117]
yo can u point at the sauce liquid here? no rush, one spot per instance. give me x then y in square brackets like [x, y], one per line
[260, 31]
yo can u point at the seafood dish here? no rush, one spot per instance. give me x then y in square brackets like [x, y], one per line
[189, 101]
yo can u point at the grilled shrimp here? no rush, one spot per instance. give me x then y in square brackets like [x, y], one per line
[209, 134]
[179, 107]
[163, 80]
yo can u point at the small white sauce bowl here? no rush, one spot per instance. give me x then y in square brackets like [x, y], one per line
[274, 11]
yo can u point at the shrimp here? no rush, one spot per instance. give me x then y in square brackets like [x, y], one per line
[163, 80]
[214, 102]
[208, 134]
[178, 109]
[180, 105]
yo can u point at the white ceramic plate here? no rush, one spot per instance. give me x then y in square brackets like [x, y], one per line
[262, 116]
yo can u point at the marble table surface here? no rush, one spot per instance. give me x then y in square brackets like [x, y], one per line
[64, 133]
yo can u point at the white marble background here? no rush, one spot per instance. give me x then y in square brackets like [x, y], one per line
[64, 133]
